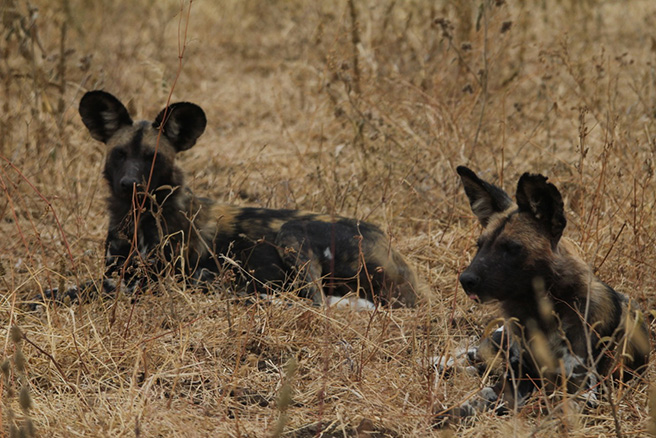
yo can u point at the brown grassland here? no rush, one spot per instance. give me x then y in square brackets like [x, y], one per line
[360, 108]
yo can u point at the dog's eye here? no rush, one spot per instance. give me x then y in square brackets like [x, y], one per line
[118, 154]
[149, 156]
[512, 248]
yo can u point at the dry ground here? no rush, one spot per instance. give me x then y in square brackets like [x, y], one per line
[308, 111]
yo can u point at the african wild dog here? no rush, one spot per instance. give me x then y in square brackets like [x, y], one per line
[156, 219]
[563, 324]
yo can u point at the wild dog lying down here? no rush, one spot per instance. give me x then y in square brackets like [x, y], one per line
[563, 324]
[158, 223]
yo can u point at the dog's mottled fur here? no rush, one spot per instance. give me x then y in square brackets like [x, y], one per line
[563, 324]
[158, 224]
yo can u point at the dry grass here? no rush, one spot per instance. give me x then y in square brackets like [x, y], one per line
[566, 88]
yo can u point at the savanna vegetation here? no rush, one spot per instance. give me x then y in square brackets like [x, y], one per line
[360, 108]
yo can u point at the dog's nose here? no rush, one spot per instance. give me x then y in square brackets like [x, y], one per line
[469, 281]
[127, 184]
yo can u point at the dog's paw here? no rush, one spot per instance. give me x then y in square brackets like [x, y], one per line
[486, 399]
[51, 295]
[446, 364]
[75, 294]
[459, 414]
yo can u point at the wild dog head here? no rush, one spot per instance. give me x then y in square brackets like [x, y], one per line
[140, 154]
[516, 247]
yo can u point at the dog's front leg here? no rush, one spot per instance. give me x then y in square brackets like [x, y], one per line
[116, 252]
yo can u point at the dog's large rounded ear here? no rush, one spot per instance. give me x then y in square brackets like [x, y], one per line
[544, 202]
[103, 114]
[183, 123]
[485, 199]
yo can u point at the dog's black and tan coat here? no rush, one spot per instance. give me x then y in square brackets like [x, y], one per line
[154, 218]
[563, 324]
